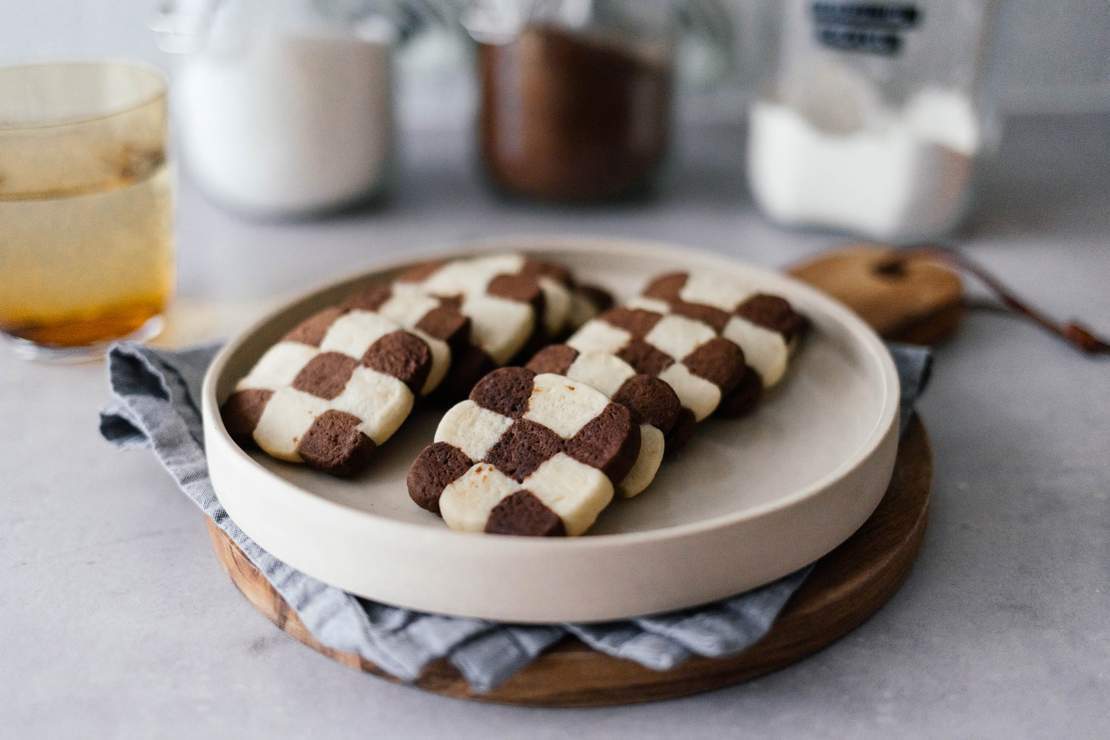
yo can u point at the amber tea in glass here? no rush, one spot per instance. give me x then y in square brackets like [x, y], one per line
[86, 206]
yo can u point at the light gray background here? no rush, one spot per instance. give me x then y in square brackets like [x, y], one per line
[1052, 56]
[116, 621]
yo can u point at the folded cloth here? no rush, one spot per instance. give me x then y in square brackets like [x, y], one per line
[156, 405]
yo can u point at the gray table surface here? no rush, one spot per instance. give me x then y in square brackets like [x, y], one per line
[116, 621]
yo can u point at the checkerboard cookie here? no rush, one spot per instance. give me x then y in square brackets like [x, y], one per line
[334, 388]
[526, 454]
[507, 297]
[415, 310]
[513, 305]
[653, 403]
[765, 326]
[702, 368]
[438, 317]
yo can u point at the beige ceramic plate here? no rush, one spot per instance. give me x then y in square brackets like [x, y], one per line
[746, 502]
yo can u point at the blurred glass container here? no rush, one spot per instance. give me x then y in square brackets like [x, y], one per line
[285, 107]
[872, 116]
[575, 95]
[86, 206]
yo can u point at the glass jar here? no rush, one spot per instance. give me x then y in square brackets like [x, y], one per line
[872, 116]
[285, 107]
[575, 95]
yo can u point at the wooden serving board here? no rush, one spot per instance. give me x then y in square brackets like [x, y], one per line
[917, 302]
[845, 588]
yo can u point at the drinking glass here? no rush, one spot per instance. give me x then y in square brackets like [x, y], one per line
[86, 207]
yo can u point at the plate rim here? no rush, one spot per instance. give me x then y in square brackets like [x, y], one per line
[526, 243]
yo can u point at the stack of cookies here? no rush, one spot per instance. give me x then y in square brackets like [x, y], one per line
[344, 380]
[540, 449]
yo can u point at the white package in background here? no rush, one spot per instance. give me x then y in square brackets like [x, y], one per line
[872, 117]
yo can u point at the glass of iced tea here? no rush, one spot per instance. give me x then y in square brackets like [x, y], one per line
[86, 206]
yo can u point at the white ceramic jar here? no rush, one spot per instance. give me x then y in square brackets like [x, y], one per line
[282, 108]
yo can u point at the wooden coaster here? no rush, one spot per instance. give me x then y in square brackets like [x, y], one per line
[916, 300]
[845, 588]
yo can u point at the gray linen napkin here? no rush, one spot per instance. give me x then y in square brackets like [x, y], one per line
[156, 405]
